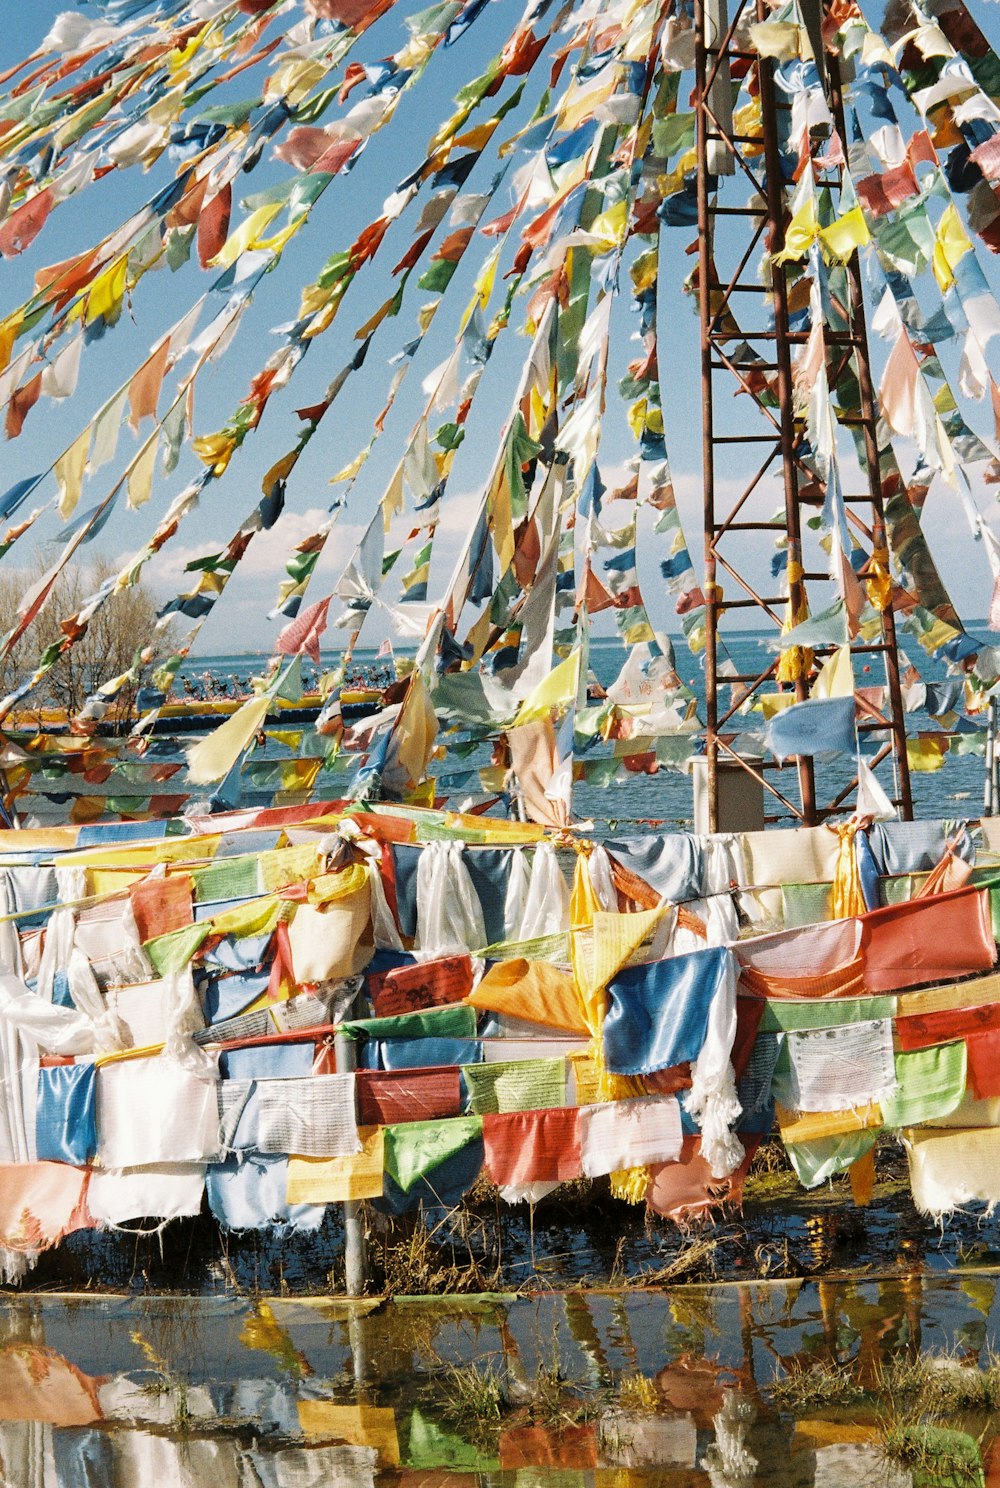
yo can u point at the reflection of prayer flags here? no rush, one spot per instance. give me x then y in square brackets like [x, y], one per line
[357, 1425]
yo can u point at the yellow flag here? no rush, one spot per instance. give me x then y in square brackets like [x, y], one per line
[486, 278]
[926, 753]
[553, 691]
[610, 225]
[351, 470]
[773, 702]
[278, 242]
[140, 477]
[372, 324]
[294, 79]
[255, 917]
[415, 729]
[842, 237]
[246, 235]
[106, 291]
[213, 757]
[800, 233]
[181, 56]
[938, 634]
[70, 469]
[814, 1126]
[334, 1180]
[617, 937]
[392, 501]
[950, 244]
[478, 635]
[8, 334]
[502, 521]
[215, 450]
[780, 39]
[583, 906]
[579, 102]
[836, 676]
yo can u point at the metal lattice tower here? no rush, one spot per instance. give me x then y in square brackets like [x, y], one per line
[746, 348]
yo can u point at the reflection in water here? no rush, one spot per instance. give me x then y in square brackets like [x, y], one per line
[583, 1390]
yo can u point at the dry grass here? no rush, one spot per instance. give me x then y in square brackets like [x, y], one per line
[821, 1384]
[929, 1385]
[417, 1261]
[482, 1398]
[940, 1383]
[475, 1396]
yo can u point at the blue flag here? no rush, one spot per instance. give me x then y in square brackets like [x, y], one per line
[815, 727]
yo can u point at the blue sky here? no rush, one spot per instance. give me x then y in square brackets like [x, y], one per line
[239, 622]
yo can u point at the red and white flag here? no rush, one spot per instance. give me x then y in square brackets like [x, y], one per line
[303, 633]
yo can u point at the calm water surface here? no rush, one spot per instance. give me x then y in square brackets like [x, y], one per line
[954, 791]
[601, 1390]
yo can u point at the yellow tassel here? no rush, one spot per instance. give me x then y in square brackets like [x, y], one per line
[847, 898]
[862, 1175]
[612, 1087]
[878, 585]
[630, 1184]
[796, 662]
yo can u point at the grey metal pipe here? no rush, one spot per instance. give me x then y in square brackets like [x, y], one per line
[355, 1260]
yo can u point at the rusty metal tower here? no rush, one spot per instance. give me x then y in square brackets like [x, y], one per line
[752, 443]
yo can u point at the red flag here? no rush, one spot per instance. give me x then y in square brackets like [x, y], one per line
[304, 632]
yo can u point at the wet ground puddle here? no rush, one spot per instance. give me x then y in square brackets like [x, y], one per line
[891, 1382]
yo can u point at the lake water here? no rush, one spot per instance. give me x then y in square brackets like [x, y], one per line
[954, 791]
[670, 1388]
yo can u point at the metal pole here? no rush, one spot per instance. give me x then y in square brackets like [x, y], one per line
[708, 455]
[989, 776]
[880, 546]
[719, 157]
[783, 360]
[354, 1235]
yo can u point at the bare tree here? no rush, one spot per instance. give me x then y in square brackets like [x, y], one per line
[110, 646]
[15, 664]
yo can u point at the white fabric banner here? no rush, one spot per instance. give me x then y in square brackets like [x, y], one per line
[152, 1111]
[310, 1116]
[629, 1134]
